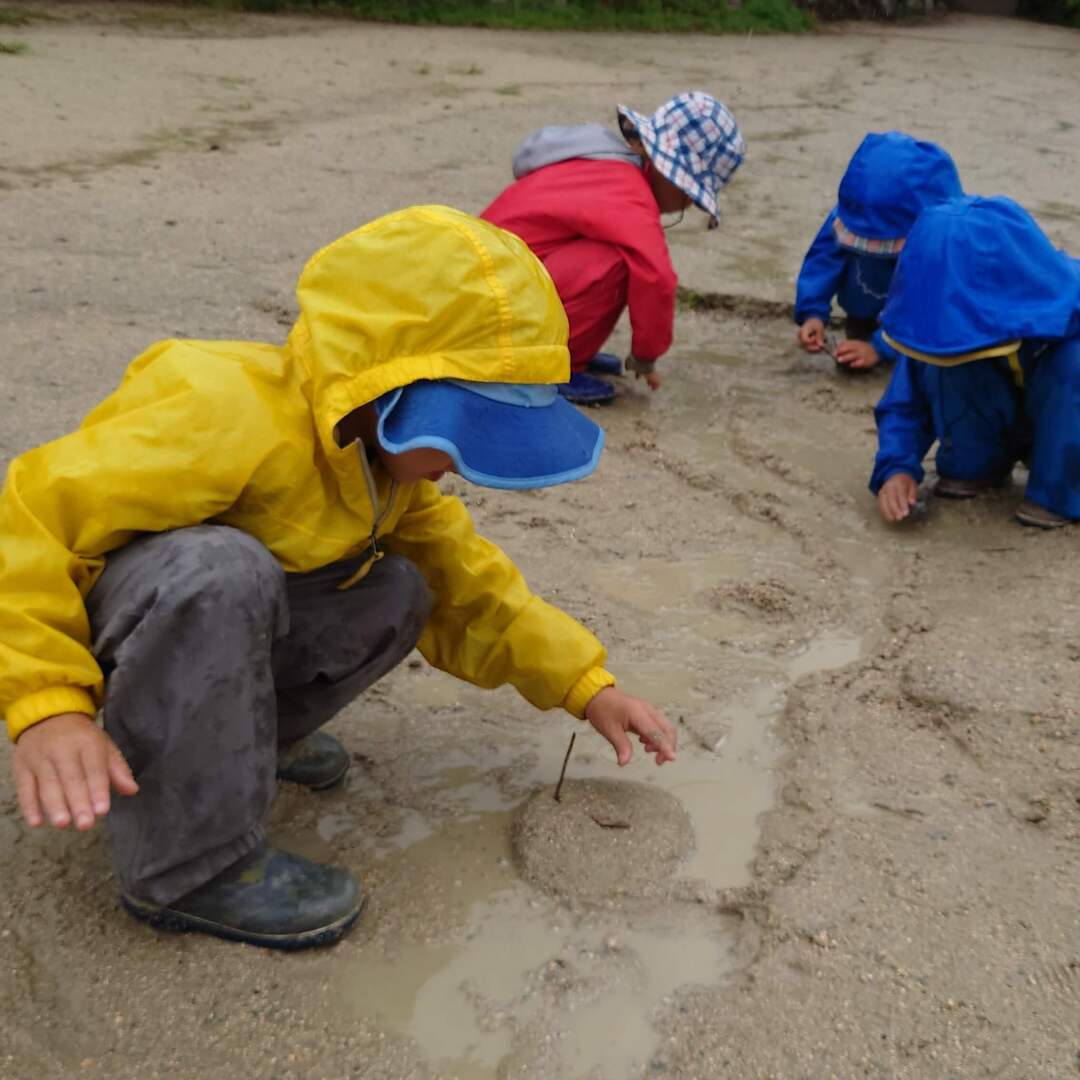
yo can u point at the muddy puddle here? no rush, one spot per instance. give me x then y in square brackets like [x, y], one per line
[526, 976]
[525, 968]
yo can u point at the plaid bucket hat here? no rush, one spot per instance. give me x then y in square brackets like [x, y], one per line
[693, 141]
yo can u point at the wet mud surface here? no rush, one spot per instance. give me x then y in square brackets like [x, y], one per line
[864, 862]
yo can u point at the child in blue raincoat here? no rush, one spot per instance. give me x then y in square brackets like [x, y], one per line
[985, 314]
[888, 182]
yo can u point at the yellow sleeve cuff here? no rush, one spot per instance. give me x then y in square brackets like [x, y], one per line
[585, 689]
[42, 704]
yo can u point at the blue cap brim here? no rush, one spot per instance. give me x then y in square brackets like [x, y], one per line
[492, 443]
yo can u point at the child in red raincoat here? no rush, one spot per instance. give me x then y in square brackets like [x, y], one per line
[588, 203]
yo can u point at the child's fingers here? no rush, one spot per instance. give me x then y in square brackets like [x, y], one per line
[120, 772]
[887, 505]
[26, 789]
[95, 761]
[72, 775]
[615, 735]
[51, 792]
[671, 736]
[657, 735]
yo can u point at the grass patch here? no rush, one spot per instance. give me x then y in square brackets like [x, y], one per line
[13, 17]
[708, 16]
[1063, 12]
[13, 48]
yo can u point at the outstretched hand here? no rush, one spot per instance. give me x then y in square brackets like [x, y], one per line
[63, 768]
[617, 715]
[897, 496]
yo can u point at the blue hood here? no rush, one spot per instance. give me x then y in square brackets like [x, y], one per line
[891, 179]
[977, 273]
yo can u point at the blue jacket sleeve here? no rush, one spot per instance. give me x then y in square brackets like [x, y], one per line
[884, 350]
[819, 278]
[904, 423]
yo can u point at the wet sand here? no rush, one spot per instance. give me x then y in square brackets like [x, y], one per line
[876, 806]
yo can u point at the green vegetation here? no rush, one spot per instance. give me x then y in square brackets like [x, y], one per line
[1064, 12]
[709, 16]
[13, 48]
[13, 17]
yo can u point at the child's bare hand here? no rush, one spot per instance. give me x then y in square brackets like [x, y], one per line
[63, 765]
[812, 334]
[614, 714]
[897, 496]
[856, 354]
[643, 368]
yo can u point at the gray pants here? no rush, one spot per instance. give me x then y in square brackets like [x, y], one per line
[214, 657]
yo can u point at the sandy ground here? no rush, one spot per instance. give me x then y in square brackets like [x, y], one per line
[903, 703]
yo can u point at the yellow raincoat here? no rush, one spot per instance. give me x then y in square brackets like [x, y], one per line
[243, 434]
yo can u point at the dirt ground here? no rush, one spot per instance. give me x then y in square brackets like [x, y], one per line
[901, 703]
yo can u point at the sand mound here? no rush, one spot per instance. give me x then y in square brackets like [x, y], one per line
[604, 839]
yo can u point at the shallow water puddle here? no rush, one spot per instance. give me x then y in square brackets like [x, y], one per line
[663, 584]
[521, 981]
[524, 964]
[825, 653]
[467, 1000]
[725, 793]
[679, 591]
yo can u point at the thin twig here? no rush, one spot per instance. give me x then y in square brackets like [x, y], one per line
[566, 761]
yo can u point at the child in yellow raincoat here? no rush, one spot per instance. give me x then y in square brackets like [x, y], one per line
[243, 537]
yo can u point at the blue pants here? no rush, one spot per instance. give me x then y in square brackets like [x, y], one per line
[1053, 405]
[985, 423]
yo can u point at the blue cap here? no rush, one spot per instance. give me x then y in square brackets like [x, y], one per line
[500, 435]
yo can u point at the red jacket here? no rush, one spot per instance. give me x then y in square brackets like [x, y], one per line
[611, 202]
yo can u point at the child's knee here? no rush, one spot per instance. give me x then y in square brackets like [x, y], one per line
[222, 572]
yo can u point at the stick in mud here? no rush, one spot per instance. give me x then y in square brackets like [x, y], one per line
[565, 762]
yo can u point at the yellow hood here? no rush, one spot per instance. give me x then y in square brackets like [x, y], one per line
[425, 293]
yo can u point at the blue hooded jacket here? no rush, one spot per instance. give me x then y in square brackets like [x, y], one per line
[890, 179]
[976, 273]
[986, 314]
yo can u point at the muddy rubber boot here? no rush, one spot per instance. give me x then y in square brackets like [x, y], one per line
[317, 761]
[1039, 517]
[268, 898]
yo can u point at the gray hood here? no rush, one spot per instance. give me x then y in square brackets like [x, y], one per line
[552, 144]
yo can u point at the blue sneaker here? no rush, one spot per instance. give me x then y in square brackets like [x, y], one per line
[605, 363]
[584, 389]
